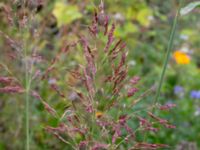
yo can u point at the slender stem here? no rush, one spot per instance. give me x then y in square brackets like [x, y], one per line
[27, 83]
[27, 118]
[169, 49]
[27, 87]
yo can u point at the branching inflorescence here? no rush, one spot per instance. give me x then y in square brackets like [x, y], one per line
[103, 85]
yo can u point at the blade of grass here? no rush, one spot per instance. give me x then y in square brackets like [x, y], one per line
[169, 49]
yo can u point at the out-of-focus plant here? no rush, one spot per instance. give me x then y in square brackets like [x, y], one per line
[66, 13]
[187, 9]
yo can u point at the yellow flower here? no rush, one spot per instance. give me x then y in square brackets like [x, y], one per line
[98, 114]
[181, 57]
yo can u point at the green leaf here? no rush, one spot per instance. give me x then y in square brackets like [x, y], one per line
[65, 14]
[144, 16]
[130, 28]
[185, 10]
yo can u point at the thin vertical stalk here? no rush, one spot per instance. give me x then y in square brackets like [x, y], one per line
[27, 81]
[27, 92]
[27, 107]
[169, 49]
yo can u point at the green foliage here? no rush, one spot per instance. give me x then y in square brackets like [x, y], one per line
[65, 13]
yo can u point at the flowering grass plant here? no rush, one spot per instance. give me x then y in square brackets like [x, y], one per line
[98, 94]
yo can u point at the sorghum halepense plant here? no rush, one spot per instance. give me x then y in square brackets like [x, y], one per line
[100, 93]
[97, 117]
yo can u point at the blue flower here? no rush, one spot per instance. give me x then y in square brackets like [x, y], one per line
[178, 90]
[195, 94]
